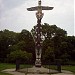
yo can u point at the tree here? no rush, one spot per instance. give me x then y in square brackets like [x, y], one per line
[19, 56]
[53, 36]
[7, 39]
[26, 42]
[49, 55]
[71, 46]
[50, 31]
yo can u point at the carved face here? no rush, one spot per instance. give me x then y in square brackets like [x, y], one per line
[39, 2]
[39, 15]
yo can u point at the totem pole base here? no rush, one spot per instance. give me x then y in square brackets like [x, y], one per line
[38, 63]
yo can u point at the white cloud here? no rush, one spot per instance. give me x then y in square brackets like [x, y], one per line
[62, 15]
[17, 17]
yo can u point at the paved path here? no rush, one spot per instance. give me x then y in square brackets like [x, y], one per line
[38, 70]
[12, 71]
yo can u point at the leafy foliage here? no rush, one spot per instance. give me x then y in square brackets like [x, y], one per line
[49, 54]
[56, 38]
[56, 44]
[18, 54]
[7, 39]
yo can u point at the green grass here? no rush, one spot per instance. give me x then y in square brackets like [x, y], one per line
[25, 66]
[69, 68]
[9, 66]
[5, 66]
[51, 67]
[65, 67]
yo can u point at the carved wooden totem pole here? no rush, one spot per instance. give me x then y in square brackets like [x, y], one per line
[38, 28]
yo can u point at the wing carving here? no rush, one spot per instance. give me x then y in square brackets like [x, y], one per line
[42, 7]
[32, 8]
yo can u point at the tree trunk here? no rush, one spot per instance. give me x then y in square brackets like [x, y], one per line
[17, 64]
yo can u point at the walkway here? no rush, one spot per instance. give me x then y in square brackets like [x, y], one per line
[12, 71]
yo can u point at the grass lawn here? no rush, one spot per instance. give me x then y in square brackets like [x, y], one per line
[69, 68]
[5, 66]
[66, 67]
[9, 66]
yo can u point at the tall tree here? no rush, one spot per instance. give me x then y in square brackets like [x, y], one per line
[26, 42]
[49, 55]
[19, 56]
[7, 39]
[53, 36]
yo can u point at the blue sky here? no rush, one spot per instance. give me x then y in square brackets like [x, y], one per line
[15, 17]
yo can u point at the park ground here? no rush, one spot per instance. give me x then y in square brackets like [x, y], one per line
[68, 70]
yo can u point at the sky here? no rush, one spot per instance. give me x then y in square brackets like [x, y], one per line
[15, 17]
